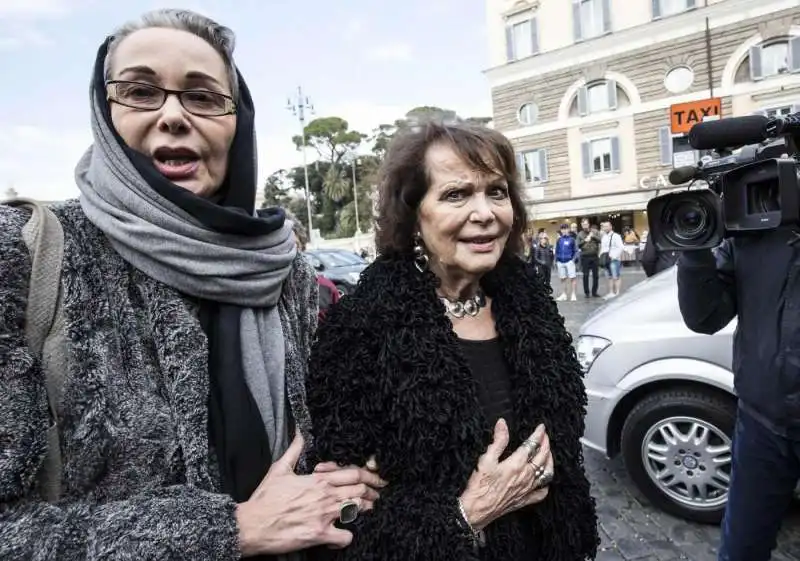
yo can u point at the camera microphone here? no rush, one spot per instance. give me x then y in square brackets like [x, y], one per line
[727, 133]
[783, 125]
[683, 174]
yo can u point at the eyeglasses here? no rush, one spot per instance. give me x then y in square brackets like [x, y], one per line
[147, 97]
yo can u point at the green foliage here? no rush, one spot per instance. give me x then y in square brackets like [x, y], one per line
[330, 177]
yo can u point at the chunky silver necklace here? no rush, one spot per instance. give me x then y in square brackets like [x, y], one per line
[467, 307]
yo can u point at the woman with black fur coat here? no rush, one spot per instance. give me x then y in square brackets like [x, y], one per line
[450, 372]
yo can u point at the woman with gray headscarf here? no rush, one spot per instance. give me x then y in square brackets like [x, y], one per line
[187, 321]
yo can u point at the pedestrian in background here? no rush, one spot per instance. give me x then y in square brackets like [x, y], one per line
[589, 245]
[566, 250]
[542, 257]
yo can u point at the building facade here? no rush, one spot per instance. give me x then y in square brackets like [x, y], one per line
[598, 96]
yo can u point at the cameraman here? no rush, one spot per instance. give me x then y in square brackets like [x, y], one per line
[756, 279]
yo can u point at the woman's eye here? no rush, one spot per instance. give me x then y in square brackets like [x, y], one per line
[498, 192]
[455, 195]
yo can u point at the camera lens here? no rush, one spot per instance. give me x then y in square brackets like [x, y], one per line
[690, 222]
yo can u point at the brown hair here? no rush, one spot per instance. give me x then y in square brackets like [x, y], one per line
[404, 179]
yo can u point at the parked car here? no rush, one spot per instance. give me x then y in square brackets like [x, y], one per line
[343, 268]
[661, 396]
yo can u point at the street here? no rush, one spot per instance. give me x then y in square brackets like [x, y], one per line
[630, 528]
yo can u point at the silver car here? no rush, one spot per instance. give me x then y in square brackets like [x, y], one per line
[662, 396]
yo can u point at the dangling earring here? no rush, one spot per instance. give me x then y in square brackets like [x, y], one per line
[421, 260]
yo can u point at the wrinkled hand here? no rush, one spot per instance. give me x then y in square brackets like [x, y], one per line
[497, 488]
[369, 483]
[290, 512]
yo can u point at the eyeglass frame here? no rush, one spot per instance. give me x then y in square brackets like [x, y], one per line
[167, 93]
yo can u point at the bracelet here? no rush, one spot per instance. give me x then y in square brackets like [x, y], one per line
[478, 536]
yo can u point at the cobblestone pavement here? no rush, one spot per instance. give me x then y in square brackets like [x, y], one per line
[630, 528]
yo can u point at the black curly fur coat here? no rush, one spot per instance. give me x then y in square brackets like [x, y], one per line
[387, 377]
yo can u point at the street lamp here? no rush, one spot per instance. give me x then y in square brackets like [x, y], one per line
[355, 195]
[298, 108]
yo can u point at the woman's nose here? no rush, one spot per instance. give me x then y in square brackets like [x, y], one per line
[173, 118]
[481, 209]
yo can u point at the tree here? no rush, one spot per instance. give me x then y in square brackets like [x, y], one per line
[276, 189]
[382, 136]
[331, 137]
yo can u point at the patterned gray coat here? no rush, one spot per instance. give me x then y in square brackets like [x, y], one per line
[139, 480]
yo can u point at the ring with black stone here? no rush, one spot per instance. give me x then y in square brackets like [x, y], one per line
[348, 512]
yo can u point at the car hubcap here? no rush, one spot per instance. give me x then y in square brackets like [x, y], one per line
[689, 460]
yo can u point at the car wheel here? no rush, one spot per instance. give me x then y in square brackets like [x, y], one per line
[677, 449]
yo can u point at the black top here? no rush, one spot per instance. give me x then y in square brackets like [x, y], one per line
[490, 370]
[485, 359]
[755, 279]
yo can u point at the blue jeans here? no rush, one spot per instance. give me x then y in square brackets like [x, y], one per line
[764, 474]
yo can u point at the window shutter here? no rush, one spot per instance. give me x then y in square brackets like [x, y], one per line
[756, 72]
[665, 142]
[509, 43]
[656, 9]
[586, 157]
[576, 20]
[583, 101]
[794, 54]
[612, 94]
[543, 163]
[690, 4]
[521, 167]
[606, 16]
[534, 36]
[615, 155]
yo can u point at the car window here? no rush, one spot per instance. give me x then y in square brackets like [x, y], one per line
[339, 258]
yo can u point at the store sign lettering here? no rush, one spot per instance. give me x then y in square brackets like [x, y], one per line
[653, 182]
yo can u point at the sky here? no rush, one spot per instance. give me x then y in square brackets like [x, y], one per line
[366, 61]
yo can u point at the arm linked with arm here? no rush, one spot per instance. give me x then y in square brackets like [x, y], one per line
[411, 521]
[707, 288]
[179, 522]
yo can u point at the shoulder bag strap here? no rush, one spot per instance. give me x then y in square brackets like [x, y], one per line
[44, 237]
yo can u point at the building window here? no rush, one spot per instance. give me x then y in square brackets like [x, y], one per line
[528, 113]
[663, 8]
[522, 39]
[781, 111]
[597, 97]
[533, 166]
[600, 156]
[679, 79]
[775, 58]
[590, 18]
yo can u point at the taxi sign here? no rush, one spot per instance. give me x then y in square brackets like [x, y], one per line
[683, 116]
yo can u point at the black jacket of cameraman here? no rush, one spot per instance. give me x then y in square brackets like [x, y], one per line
[756, 279]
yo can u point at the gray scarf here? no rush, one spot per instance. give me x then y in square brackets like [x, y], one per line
[166, 243]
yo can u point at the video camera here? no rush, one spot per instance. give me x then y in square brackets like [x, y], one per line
[754, 189]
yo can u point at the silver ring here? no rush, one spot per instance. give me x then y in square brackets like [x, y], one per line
[533, 448]
[545, 480]
[348, 512]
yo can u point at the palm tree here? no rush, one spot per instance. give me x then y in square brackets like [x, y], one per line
[335, 184]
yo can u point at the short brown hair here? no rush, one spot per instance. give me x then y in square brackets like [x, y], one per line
[404, 179]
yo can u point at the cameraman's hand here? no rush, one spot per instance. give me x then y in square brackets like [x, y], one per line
[290, 512]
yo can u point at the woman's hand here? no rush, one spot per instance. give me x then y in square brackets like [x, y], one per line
[498, 488]
[290, 512]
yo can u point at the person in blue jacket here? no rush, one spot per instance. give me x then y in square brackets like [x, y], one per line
[566, 251]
